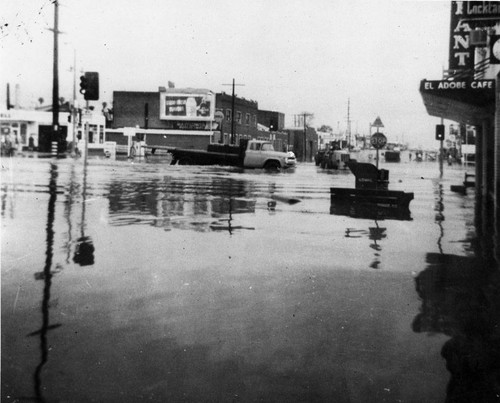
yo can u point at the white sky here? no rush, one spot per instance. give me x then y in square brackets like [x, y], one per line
[292, 56]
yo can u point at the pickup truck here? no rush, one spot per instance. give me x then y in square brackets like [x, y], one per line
[249, 154]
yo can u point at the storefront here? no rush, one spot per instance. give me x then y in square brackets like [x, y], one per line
[469, 94]
[31, 130]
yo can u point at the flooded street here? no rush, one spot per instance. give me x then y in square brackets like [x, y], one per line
[129, 281]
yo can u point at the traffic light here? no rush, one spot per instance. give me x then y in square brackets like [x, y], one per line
[273, 126]
[83, 84]
[89, 86]
[440, 132]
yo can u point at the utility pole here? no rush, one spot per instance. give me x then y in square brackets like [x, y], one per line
[232, 110]
[55, 81]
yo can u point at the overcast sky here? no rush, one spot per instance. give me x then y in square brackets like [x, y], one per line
[292, 56]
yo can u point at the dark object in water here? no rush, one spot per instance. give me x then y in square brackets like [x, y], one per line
[371, 189]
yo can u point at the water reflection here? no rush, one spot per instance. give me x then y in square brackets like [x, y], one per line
[375, 234]
[84, 249]
[439, 209]
[46, 276]
[174, 203]
[369, 211]
[461, 299]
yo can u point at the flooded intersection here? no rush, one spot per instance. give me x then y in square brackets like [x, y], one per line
[142, 281]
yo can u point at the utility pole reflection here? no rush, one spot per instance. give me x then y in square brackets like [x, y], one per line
[46, 275]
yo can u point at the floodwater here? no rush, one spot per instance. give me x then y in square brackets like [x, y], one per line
[140, 281]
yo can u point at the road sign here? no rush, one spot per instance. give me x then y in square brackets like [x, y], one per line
[378, 140]
[378, 123]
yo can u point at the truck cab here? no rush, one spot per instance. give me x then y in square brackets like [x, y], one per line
[261, 154]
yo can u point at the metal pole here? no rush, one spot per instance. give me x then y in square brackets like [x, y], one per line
[441, 156]
[74, 111]
[55, 81]
[232, 116]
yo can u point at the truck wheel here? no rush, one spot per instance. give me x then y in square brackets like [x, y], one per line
[272, 166]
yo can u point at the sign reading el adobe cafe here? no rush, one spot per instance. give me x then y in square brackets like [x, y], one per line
[476, 92]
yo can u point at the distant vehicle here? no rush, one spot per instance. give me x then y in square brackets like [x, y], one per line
[249, 154]
[333, 159]
[392, 156]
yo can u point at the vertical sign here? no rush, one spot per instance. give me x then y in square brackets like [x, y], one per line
[465, 17]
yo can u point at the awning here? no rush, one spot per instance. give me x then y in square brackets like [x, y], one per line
[467, 101]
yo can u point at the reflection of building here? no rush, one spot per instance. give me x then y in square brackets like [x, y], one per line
[167, 204]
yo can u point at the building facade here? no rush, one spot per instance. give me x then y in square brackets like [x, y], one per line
[469, 94]
[163, 118]
[32, 130]
[275, 121]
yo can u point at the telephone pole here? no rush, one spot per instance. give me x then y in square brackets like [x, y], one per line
[232, 110]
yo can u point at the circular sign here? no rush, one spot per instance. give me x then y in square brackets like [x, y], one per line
[5, 129]
[219, 116]
[378, 140]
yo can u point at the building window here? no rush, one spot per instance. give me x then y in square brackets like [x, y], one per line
[228, 115]
[255, 120]
[238, 117]
[247, 119]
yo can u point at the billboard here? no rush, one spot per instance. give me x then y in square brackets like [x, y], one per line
[193, 106]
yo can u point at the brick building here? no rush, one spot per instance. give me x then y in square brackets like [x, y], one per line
[163, 118]
[275, 121]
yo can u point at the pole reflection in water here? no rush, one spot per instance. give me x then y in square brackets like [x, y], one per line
[439, 217]
[46, 276]
[68, 210]
[84, 251]
[376, 234]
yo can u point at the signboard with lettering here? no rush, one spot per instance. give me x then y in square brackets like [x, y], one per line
[187, 106]
[474, 92]
[465, 17]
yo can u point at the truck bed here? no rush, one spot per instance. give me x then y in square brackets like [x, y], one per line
[202, 157]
